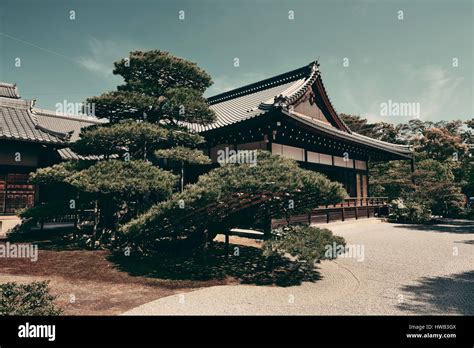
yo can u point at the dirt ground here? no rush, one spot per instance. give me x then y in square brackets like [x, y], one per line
[97, 282]
[87, 283]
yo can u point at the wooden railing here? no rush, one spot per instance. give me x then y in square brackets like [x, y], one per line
[358, 202]
[83, 215]
[349, 208]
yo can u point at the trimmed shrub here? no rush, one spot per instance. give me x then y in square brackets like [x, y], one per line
[306, 244]
[409, 212]
[27, 299]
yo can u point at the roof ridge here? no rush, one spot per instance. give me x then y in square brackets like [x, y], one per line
[263, 84]
[7, 84]
[61, 136]
[83, 118]
[301, 90]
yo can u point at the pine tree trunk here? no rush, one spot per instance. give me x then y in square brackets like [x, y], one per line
[96, 217]
[182, 176]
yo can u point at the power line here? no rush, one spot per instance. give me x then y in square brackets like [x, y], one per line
[40, 48]
[56, 93]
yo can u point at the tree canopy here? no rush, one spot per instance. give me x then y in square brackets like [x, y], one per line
[159, 87]
[232, 193]
[443, 158]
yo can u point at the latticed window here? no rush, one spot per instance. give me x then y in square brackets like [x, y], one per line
[15, 192]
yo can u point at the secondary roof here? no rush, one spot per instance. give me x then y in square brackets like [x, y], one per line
[21, 121]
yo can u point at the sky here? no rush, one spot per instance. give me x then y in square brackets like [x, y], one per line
[372, 52]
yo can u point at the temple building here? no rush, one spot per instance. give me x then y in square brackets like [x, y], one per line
[291, 115]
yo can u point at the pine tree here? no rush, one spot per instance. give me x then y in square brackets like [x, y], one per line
[147, 117]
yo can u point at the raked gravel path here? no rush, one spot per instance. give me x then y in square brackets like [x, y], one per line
[405, 270]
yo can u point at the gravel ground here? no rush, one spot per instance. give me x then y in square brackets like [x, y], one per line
[406, 269]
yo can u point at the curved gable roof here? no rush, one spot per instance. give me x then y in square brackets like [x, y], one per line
[282, 92]
[279, 91]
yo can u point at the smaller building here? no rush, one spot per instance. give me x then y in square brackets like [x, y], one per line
[31, 138]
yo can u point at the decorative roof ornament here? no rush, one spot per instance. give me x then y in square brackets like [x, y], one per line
[9, 90]
[279, 101]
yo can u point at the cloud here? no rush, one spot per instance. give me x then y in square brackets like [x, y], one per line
[438, 89]
[101, 56]
[434, 87]
[359, 94]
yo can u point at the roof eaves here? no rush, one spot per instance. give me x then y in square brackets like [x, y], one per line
[33, 140]
[67, 154]
[396, 149]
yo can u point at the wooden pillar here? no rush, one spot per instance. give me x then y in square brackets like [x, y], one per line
[267, 138]
[412, 165]
[367, 174]
[182, 177]
[227, 243]
[267, 227]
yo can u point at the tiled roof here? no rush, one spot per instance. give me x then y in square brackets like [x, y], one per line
[64, 124]
[8, 90]
[281, 91]
[19, 120]
[67, 154]
[18, 123]
[256, 99]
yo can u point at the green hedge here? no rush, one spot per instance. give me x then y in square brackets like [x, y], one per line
[27, 299]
